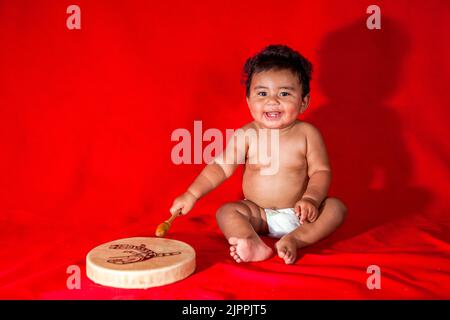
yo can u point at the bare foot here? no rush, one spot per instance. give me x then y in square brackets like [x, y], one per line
[287, 249]
[246, 250]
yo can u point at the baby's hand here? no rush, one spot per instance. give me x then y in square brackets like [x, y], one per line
[306, 209]
[185, 202]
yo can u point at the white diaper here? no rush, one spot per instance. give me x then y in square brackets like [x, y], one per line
[281, 221]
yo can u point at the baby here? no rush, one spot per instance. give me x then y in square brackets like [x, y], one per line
[291, 203]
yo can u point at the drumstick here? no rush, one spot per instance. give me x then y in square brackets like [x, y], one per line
[162, 229]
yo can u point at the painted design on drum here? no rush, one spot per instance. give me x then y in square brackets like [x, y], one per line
[136, 253]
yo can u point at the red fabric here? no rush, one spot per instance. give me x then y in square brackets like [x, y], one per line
[86, 117]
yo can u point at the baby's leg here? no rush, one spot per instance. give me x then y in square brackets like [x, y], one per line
[331, 215]
[241, 222]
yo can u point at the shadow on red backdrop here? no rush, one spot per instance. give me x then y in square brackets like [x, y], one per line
[372, 168]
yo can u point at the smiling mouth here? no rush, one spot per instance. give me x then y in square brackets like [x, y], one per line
[273, 115]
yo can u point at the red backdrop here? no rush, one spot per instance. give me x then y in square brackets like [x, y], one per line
[86, 116]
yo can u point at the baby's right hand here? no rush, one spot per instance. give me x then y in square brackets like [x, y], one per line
[185, 202]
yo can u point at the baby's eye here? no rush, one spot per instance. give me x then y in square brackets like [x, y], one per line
[284, 94]
[262, 94]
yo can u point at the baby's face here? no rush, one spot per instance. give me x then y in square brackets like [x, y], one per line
[275, 98]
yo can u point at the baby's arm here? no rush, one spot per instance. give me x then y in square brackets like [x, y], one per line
[319, 173]
[208, 179]
[319, 170]
[214, 173]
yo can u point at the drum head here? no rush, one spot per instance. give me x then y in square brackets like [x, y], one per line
[140, 262]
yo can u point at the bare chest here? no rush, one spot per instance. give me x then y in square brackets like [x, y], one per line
[286, 152]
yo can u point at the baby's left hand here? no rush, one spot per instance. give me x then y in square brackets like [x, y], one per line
[306, 209]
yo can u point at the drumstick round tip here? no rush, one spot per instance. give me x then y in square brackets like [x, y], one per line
[162, 229]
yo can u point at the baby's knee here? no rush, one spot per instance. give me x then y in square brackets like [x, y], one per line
[339, 208]
[231, 208]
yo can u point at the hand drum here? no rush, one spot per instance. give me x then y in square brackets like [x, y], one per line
[140, 262]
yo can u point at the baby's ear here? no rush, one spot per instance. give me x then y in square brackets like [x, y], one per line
[304, 103]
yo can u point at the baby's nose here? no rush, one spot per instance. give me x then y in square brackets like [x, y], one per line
[272, 100]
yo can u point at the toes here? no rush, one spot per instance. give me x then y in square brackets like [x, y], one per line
[289, 258]
[233, 241]
[235, 256]
[287, 254]
[287, 250]
[282, 252]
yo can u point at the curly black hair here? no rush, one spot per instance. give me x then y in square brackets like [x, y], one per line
[278, 56]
